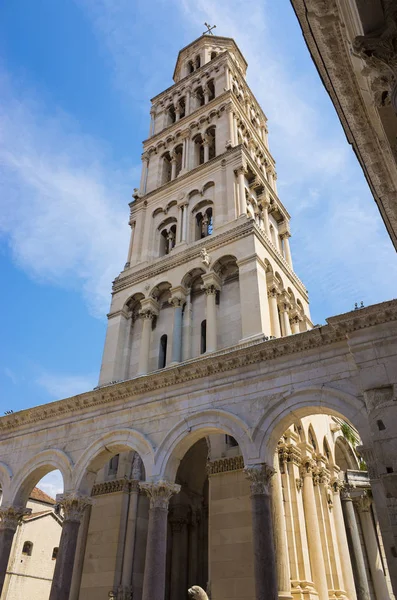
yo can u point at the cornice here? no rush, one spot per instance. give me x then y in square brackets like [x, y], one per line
[116, 485]
[226, 360]
[175, 182]
[225, 465]
[324, 33]
[210, 243]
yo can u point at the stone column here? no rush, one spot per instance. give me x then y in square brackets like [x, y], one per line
[177, 300]
[356, 552]
[275, 322]
[313, 530]
[187, 101]
[156, 545]
[179, 557]
[145, 164]
[80, 555]
[206, 95]
[372, 547]
[130, 247]
[211, 286]
[10, 517]
[74, 507]
[262, 533]
[129, 546]
[286, 328]
[280, 538]
[177, 113]
[347, 571]
[148, 311]
[241, 186]
[231, 125]
[295, 328]
[194, 546]
[173, 168]
[185, 222]
[265, 213]
[206, 144]
[187, 319]
[287, 249]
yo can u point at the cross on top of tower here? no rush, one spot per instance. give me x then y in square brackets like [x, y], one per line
[209, 29]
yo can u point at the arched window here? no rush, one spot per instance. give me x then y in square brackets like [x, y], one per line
[204, 224]
[200, 100]
[55, 553]
[211, 90]
[211, 142]
[177, 154]
[203, 339]
[167, 240]
[327, 451]
[273, 235]
[198, 150]
[27, 548]
[213, 55]
[171, 114]
[190, 66]
[114, 464]
[197, 62]
[182, 108]
[312, 440]
[166, 168]
[163, 351]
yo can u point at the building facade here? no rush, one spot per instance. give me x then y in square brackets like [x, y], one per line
[34, 551]
[207, 454]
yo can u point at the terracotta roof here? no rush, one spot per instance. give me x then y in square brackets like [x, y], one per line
[37, 514]
[41, 496]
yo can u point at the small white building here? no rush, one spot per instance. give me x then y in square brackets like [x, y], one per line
[35, 548]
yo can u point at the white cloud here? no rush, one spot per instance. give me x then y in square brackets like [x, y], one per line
[64, 204]
[11, 375]
[52, 484]
[60, 385]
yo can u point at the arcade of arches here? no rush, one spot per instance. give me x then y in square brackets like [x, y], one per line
[230, 443]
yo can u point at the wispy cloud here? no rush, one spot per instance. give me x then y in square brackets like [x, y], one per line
[11, 375]
[64, 203]
[61, 385]
[52, 484]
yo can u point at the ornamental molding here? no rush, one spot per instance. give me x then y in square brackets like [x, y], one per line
[289, 453]
[325, 36]
[228, 359]
[117, 485]
[225, 465]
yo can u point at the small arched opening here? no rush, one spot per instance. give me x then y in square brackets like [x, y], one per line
[163, 352]
[166, 168]
[203, 337]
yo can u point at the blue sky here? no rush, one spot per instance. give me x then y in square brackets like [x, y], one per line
[75, 82]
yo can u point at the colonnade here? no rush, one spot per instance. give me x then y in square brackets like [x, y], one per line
[317, 534]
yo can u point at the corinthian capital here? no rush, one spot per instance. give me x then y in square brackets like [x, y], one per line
[73, 506]
[11, 516]
[159, 493]
[259, 477]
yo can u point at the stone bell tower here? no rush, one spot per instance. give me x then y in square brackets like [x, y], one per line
[209, 264]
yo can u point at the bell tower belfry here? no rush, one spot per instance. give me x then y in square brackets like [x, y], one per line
[209, 264]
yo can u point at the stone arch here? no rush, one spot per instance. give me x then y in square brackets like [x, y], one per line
[305, 402]
[100, 451]
[5, 478]
[343, 446]
[192, 277]
[223, 264]
[34, 469]
[197, 425]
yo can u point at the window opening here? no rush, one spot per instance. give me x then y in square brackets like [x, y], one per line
[203, 346]
[54, 554]
[114, 464]
[27, 548]
[163, 351]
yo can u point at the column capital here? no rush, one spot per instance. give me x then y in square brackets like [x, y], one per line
[308, 467]
[149, 308]
[259, 477]
[73, 505]
[179, 516]
[159, 492]
[337, 485]
[211, 283]
[346, 490]
[241, 170]
[11, 516]
[178, 296]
